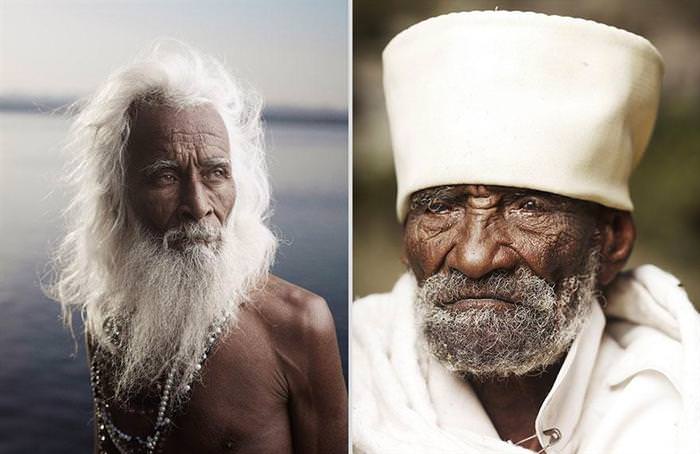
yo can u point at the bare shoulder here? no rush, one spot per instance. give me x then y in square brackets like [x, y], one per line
[291, 311]
[300, 327]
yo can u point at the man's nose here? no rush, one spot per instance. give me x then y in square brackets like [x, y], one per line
[194, 203]
[480, 250]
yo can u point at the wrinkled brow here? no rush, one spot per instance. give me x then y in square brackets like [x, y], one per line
[422, 198]
[170, 164]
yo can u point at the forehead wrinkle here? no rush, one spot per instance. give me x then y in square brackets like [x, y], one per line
[198, 140]
[194, 133]
[180, 150]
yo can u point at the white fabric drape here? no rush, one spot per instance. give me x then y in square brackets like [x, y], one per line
[642, 372]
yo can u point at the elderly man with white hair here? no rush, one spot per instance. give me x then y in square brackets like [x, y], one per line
[194, 346]
[515, 329]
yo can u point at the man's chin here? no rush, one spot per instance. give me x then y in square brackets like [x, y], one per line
[496, 346]
[495, 365]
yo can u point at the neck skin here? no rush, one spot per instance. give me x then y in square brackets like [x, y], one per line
[513, 403]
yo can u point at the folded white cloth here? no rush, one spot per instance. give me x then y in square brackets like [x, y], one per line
[629, 384]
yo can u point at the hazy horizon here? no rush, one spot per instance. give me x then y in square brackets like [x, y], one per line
[293, 54]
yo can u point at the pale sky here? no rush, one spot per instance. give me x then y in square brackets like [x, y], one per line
[294, 52]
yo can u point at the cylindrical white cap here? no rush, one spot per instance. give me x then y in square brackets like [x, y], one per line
[520, 99]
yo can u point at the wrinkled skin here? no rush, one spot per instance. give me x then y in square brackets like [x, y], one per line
[476, 229]
[274, 383]
[179, 169]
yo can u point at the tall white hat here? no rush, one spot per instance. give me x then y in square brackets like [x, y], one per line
[520, 99]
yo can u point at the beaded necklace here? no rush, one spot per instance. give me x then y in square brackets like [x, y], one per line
[133, 444]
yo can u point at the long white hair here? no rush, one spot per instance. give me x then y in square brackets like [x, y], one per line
[179, 76]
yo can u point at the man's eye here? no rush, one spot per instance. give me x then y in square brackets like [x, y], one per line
[530, 205]
[166, 178]
[218, 173]
[437, 207]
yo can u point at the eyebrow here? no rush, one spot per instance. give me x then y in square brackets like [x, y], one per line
[215, 162]
[170, 164]
[423, 198]
[159, 165]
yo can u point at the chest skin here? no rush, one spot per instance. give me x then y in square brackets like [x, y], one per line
[240, 405]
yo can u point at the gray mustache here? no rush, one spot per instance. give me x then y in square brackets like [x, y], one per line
[516, 286]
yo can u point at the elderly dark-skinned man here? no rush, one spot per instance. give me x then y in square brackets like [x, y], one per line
[194, 346]
[515, 329]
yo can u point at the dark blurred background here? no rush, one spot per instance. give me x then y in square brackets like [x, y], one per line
[665, 188]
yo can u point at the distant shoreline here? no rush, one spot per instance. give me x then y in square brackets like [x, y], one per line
[60, 106]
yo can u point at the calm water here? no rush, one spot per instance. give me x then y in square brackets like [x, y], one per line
[45, 400]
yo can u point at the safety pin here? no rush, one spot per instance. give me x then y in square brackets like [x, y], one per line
[554, 436]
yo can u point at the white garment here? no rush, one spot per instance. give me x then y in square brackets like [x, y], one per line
[630, 382]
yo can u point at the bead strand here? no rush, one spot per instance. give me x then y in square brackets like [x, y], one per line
[107, 428]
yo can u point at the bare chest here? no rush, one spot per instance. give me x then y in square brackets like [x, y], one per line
[239, 404]
[246, 419]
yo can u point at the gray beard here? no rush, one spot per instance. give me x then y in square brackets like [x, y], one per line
[485, 342]
[165, 302]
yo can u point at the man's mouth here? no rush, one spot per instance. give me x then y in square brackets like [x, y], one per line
[482, 301]
[184, 242]
[188, 241]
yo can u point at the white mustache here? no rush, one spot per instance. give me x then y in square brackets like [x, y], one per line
[192, 233]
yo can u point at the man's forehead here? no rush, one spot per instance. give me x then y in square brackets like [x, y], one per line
[198, 125]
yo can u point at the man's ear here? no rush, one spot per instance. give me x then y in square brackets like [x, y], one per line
[404, 258]
[617, 235]
[404, 254]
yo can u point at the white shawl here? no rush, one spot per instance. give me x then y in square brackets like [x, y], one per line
[392, 411]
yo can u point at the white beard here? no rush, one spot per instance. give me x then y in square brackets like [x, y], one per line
[165, 301]
[526, 338]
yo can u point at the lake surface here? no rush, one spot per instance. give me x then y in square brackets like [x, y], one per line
[45, 397]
